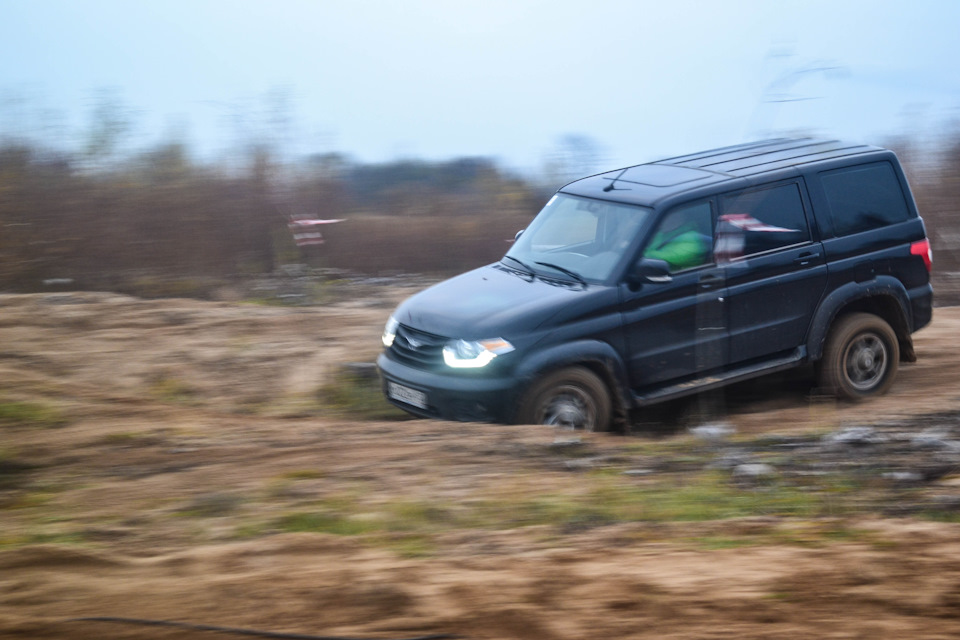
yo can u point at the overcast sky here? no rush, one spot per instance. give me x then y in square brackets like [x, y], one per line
[437, 79]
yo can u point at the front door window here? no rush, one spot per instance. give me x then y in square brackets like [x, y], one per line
[683, 238]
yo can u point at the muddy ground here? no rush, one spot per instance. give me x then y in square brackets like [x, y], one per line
[208, 463]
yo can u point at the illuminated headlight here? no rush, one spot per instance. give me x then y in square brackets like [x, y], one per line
[389, 332]
[464, 354]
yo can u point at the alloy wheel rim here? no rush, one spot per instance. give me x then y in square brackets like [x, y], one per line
[865, 361]
[570, 408]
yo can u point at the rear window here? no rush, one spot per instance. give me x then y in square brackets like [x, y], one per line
[864, 197]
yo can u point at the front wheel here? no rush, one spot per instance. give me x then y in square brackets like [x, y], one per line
[571, 398]
[860, 358]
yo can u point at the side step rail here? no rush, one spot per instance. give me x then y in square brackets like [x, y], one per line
[707, 383]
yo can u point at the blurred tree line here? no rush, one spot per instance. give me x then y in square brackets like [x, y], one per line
[104, 218]
[160, 215]
[934, 174]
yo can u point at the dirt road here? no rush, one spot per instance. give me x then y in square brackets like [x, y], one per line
[171, 460]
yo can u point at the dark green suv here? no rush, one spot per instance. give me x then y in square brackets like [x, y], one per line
[670, 278]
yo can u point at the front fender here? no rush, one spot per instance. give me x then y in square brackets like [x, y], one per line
[598, 356]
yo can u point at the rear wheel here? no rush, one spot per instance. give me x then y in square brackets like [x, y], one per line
[860, 358]
[571, 398]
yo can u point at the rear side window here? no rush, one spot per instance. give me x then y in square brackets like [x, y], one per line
[761, 220]
[864, 197]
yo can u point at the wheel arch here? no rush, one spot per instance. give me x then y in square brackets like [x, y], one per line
[598, 357]
[884, 297]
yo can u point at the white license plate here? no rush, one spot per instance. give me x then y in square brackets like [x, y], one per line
[406, 394]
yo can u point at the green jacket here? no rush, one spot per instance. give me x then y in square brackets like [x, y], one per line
[681, 248]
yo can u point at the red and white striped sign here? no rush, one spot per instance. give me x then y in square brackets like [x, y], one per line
[306, 231]
[731, 234]
[748, 223]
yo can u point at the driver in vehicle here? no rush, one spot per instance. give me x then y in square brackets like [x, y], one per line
[682, 246]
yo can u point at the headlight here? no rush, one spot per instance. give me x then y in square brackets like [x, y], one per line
[470, 355]
[389, 332]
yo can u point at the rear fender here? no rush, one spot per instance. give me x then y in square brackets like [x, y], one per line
[885, 296]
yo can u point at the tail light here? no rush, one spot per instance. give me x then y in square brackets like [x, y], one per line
[922, 249]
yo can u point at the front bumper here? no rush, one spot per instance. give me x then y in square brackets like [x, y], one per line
[465, 398]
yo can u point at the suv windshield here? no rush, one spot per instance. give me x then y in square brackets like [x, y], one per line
[578, 238]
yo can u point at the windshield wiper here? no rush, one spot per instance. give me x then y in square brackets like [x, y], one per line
[530, 272]
[573, 274]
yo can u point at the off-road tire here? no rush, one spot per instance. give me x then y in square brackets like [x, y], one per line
[572, 398]
[860, 358]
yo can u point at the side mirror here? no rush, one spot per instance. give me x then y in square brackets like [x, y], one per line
[649, 270]
[519, 233]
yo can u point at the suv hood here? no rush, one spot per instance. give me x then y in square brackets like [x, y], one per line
[492, 302]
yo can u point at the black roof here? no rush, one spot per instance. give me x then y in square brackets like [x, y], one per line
[647, 184]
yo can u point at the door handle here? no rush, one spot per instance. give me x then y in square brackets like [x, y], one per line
[806, 258]
[709, 281]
